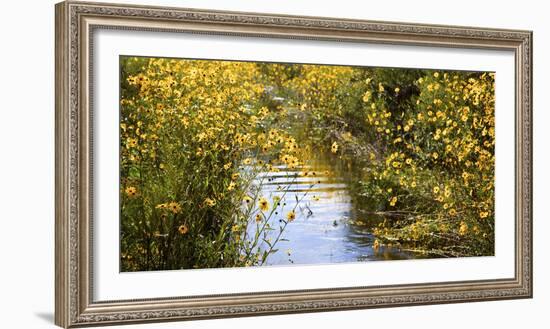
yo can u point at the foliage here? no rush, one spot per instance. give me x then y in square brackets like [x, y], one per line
[425, 142]
[438, 169]
[195, 134]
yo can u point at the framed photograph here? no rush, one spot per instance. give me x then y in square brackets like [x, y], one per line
[218, 164]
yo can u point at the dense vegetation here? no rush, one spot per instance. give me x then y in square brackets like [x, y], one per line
[195, 133]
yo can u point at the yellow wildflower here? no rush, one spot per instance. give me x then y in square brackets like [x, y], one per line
[174, 207]
[463, 228]
[183, 229]
[291, 216]
[131, 142]
[366, 96]
[210, 202]
[263, 204]
[131, 191]
[334, 147]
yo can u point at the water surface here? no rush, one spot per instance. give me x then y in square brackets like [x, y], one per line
[330, 227]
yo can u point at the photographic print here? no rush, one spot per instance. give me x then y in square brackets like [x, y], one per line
[235, 164]
[321, 164]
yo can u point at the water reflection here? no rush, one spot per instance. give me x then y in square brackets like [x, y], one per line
[329, 227]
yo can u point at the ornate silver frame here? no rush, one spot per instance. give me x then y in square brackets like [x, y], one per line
[75, 23]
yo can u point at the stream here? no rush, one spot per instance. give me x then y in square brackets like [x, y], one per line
[328, 227]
